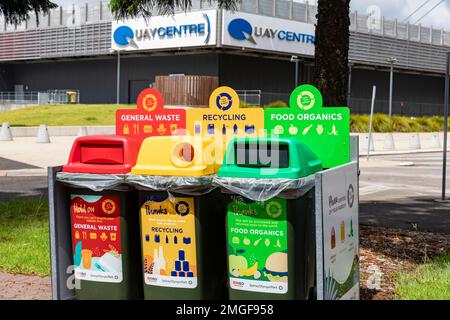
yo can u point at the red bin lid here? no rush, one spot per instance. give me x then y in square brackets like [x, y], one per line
[103, 155]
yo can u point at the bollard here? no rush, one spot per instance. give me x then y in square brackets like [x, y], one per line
[414, 143]
[5, 132]
[389, 141]
[372, 147]
[42, 135]
[435, 141]
[82, 132]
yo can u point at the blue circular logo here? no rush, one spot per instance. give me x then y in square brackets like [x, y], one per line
[224, 101]
[240, 29]
[122, 35]
[182, 208]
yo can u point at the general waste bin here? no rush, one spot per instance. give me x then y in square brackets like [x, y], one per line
[182, 232]
[104, 222]
[270, 218]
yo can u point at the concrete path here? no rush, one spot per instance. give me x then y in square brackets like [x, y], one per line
[21, 287]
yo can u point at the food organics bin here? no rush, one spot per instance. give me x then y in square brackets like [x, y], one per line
[270, 218]
[105, 241]
[182, 232]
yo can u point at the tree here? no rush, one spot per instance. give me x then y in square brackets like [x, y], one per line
[331, 55]
[16, 11]
[134, 8]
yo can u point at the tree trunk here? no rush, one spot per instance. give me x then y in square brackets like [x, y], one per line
[331, 55]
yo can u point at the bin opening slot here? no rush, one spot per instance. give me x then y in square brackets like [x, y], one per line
[95, 153]
[261, 155]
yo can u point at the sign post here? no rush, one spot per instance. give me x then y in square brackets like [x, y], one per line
[444, 160]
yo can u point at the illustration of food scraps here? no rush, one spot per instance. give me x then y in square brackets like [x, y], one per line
[326, 130]
[224, 117]
[150, 118]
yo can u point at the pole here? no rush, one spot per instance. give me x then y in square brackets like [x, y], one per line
[444, 158]
[296, 73]
[118, 78]
[374, 91]
[390, 89]
[349, 87]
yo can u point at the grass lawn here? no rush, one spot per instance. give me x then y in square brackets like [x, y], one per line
[431, 281]
[24, 239]
[64, 115]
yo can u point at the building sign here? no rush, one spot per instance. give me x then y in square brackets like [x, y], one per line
[266, 33]
[150, 118]
[339, 271]
[181, 30]
[325, 130]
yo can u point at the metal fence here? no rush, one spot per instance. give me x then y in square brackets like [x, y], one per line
[40, 98]
[7, 97]
[250, 97]
[413, 109]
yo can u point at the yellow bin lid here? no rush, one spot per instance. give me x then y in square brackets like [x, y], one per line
[176, 156]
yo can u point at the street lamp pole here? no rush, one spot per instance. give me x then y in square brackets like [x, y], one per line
[446, 102]
[295, 59]
[391, 60]
[118, 78]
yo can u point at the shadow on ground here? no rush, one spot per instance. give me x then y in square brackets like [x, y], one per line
[411, 214]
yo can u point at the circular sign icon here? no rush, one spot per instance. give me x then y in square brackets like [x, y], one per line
[122, 35]
[149, 99]
[306, 100]
[182, 208]
[350, 196]
[224, 101]
[274, 209]
[108, 206]
[306, 97]
[149, 102]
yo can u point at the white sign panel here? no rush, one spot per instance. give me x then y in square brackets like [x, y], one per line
[340, 228]
[266, 33]
[192, 29]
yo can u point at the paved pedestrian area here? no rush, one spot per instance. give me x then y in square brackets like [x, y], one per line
[21, 287]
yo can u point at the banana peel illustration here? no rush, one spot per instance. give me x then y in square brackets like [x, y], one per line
[250, 271]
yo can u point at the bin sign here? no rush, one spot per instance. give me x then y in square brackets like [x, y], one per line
[257, 245]
[224, 120]
[338, 268]
[326, 130]
[97, 249]
[150, 118]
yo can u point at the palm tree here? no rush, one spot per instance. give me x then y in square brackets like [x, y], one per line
[331, 56]
[16, 11]
[134, 8]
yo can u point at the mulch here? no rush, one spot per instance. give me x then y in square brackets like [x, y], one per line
[392, 251]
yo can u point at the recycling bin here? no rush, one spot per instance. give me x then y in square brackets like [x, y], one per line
[105, 226]
[270, 225]
[182, 232]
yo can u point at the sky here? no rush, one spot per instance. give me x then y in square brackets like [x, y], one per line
[391, 9]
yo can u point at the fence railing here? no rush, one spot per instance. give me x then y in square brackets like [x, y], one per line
[40, 98]
[405, 108]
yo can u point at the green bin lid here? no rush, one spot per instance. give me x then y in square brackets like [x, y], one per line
[268, 158]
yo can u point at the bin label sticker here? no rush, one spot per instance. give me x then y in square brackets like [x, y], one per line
[325, 130]
[224, 119]
[150, 118]
[257, 245]
[97, 249]
[168, 238]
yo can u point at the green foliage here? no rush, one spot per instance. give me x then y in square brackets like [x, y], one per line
[24, 239]
[276, 104]
[17, 11]
[123, 9]
[360, 123]
[430, 281]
